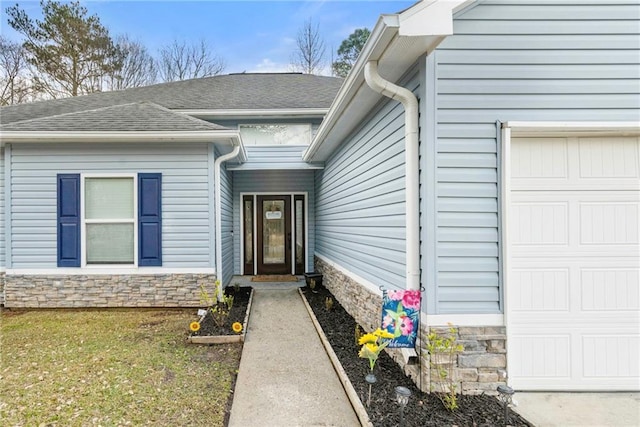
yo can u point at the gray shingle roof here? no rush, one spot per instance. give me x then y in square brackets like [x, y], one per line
[134, 117]
[230, 92]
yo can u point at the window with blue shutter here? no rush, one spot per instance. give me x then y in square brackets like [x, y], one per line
[68, 220]
[149, 219]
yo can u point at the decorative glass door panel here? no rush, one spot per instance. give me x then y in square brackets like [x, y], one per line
[247, 206]
[299, 232]
[274, 234]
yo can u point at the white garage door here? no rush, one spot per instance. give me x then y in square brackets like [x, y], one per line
[573, 288]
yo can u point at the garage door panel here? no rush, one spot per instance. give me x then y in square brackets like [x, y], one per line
[610, 289]
[541, 355]
[535, 158]
[606, 356]
[603, 223]
[540, 223]
[540, 289]
[576, 163]
[573, 288]
[600, 158]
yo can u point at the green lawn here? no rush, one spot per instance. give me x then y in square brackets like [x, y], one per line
[110, 367]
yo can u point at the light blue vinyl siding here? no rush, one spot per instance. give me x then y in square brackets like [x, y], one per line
[275, 182]
[278, 157]
[360, 198]
[226, 199]
[185, 202]
[274, 157]
[510, 60]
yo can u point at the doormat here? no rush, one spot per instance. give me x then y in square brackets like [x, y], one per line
[274, 278]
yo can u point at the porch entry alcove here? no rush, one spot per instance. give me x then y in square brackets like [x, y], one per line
[274, 233]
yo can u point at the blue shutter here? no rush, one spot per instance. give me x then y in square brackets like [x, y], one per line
[149, 219]
[68, 220]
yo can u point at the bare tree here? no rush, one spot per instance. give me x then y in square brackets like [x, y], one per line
[15, 85]
[309, 56]
[138, 66]
[181, 61]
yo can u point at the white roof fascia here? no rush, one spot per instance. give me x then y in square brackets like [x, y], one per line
[258, 113]
[226, 136]
[382, 34]
[547, 128]
[396, 42]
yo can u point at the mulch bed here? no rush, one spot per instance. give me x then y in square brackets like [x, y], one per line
[423, 409]
[208, 326]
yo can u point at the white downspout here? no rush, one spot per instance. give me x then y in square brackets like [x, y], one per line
[412, 170]
[218, 203]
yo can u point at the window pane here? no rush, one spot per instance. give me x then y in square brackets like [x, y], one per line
[107, 198]
[248, 232]
[273, 232]
[299, 232]
[271, 134]
[109, 243]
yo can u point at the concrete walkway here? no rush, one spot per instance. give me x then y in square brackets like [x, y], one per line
[286, 377]
[579, 409]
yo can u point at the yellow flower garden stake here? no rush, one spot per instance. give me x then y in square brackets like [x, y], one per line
[372, 344]
[194, 326]
[237, 327]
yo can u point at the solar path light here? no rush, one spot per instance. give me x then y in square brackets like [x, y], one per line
[402, 397]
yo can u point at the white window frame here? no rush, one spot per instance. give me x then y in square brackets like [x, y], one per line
[241, 125]
[84, 221]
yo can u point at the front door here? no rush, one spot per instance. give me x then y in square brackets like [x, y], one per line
[273, 215]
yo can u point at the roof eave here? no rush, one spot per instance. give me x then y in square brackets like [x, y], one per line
[271, 113]
[396, 42]
[223, 136]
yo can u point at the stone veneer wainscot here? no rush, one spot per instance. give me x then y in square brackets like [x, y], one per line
[479, 369]
[66, 291]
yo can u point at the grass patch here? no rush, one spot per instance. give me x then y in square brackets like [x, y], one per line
[110, 367]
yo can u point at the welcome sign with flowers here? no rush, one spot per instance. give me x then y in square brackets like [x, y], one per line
[401, 316]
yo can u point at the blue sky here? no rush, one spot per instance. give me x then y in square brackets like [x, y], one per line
[252, 36]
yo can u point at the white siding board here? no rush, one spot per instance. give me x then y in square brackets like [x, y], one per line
[542, 114]
[468, 189]
[523, 57]
[559, 12]
[542, 42]
[532, 71]
[524, 25]
[185, 229]
[548, 86]
[468, 249]
[463, 160]
[516, 61]
[467, 146]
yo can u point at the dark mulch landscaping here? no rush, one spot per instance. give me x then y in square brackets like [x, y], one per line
[423, 409]
[237, 313]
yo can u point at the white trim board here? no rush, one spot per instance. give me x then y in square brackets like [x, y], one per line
[364, 282]
[110, 271]
[435, 320]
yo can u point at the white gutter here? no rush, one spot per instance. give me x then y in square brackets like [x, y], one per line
[412, 167]
[218, 204]
[224, 136]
